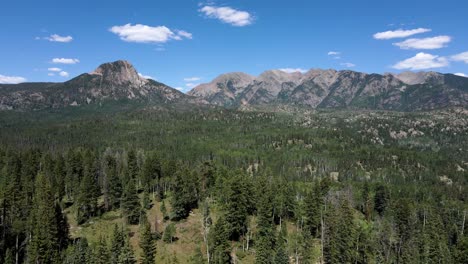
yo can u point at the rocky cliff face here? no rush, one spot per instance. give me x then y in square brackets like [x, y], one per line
[110, 81]
[340, 89]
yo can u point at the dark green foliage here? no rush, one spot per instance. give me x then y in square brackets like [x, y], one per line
[219, 245]
[126, 255]
[185, 194]
[281, 255]
[130, 203]
[44, 246]
[117, 244]
[169, 233]
[147, 243]
[265, 238]
[381, 199]
[101, 254]
[238, 202]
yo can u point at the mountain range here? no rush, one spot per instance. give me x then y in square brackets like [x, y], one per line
[119, 80]
[408, 91]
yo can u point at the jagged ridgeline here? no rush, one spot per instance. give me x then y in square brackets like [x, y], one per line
[337, 89]
[116, 81]
[119, 81]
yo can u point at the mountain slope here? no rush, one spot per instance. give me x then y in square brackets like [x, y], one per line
[340, 89]
[110, 81]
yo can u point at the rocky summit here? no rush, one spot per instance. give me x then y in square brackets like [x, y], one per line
[318, 88]
[113, 81]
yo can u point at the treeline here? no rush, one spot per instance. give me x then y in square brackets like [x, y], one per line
[272, 217]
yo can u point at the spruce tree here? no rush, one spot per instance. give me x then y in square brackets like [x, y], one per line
[117, 243]
[184, 197]
[101, 252]
[219, 242]
[147, 244]
[127, 255]
[130, 203]
[44, 245]
[281, 255]
[265, 236]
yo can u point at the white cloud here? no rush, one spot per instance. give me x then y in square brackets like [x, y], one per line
[424, 43]
[54, 69]
[461, 74]
[145, 76]
[11, 79]
[228, 15]
[51, 74]
[348, 64]
[179, 89]
[333, 53]
[147, 34]
[192, 79]
[291, 70]
[191, 85]
[422, 61]
[65, 61]
[400, 33]
[461, 57]
[64, 74]
[185, 34]
[58, 38]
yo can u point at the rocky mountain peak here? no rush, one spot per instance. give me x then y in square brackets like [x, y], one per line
[119, 72]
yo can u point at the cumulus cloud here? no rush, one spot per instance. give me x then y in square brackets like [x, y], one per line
[291, 70]
[348, 64]
[192, 79]
[461, 57]
[461, 74]
[400, 33]
[63, 74]
[65, 61]
[54, 69]
[147, 34]
[228, 15]
[11, 79]
[424, 43]
[145, 76]
[58, 38]
[333, 53]
[422, 61]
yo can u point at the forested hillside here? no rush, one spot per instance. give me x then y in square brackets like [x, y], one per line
[161, 185]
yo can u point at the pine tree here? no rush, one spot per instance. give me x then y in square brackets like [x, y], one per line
[381, 199]
[281, 255]
[238, 202]
[126, 254]
[265, 236]
[169, 233]
[44, 245]
[184, 197]
[101, 252]
[147, 243]
[130, 203]
[117, 243]
[312, 211]
[219, 242]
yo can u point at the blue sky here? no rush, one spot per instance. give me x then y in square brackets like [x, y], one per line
[184, 42]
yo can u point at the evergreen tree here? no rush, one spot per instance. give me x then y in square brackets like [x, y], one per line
[281, 255]
[9, 257]
[184, 197]
[101, 252]
[381, 199]
[169, 233]
[219, 245]
[147, 243]
[117, 243]
[130, 203]
[312, 211]
[126, 254]
[44, 245]
[238, 202]
[265, 236]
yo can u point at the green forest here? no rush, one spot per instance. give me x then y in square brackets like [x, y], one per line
[132, 184]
